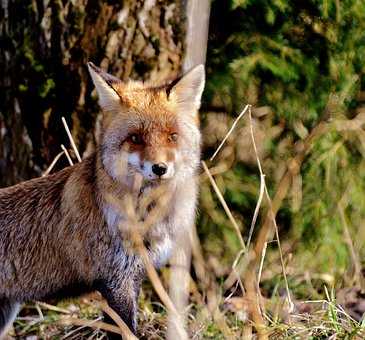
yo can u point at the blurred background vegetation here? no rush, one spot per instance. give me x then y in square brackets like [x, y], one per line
[299, 63]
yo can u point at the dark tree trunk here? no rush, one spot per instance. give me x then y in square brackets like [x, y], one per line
[44, 48]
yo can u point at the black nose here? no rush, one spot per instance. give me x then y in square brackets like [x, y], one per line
[159, 169]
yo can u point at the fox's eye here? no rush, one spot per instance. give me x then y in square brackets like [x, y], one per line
[173, 137]
[136, 139]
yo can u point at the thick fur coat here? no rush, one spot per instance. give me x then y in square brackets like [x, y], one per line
[63, 234]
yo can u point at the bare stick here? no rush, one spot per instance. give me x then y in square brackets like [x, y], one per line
[208, 282]
[249, 278]
[55, 160]
[291, 305]
[235, 275]
[224, 204]
[92, 324]
[127, 333]
[230, 131]
[71, 139]
[76, 331]
[53, 308]
[262, 262]
[293, 168]
[160, 290]
[127, 207]
[257, 209]
[67, 154]
[196, 39]
[39, 310]
[256, 256]
[235, 263]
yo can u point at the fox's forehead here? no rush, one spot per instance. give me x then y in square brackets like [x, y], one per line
[150, 124]
[140, 96]
[147, 108]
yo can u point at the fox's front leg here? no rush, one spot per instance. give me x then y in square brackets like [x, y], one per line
[122, 297]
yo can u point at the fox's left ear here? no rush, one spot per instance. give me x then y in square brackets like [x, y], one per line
[187, 91]
[106, 86]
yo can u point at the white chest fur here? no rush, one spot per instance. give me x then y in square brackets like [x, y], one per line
[161, 236]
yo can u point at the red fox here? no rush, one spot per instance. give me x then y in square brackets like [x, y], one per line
[60, 235]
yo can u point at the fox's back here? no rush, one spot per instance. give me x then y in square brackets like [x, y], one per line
[31, 202]
[48, 228]
[29, 215]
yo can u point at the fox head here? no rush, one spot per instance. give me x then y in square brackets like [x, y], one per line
[149, 130]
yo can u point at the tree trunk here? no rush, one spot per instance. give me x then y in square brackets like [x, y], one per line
[196, 40]
[45, 47]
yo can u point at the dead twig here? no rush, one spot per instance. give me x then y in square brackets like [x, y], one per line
[160, 290]
[293, 168]
[127, 334]
[92, 324]
[256, 256]
[71, 139]
[141, 225]
[224, 204]
[230, 131]
[53, 308]
[55, 160]
[249, 277]
[262, 176]
[67, 155]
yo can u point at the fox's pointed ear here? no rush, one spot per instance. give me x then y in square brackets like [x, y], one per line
[187, 91]
[105, 85]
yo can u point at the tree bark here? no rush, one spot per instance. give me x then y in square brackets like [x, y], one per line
[45, 47]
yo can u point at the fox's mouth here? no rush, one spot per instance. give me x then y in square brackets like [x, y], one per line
[157, 180]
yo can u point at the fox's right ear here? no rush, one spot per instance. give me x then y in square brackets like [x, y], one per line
[106, 87]
[186, 92]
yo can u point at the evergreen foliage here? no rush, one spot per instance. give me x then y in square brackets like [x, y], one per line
[300, 62]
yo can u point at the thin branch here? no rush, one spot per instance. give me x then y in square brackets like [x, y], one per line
[230, 131]
[53, 308]
[262, 176]
[257, 209]
[55, 160]
[262, 262]
[224, 204]
[160, 290]
[127, 207]
[71, 139]
[293, 169]
[67, 155]
[127, 333]
[254, 256]
[92, 324]
[76, 331]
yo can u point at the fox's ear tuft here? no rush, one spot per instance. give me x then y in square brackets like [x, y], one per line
[105, 85]
[187, 91]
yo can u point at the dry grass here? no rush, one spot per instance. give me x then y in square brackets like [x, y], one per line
[232, 309]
